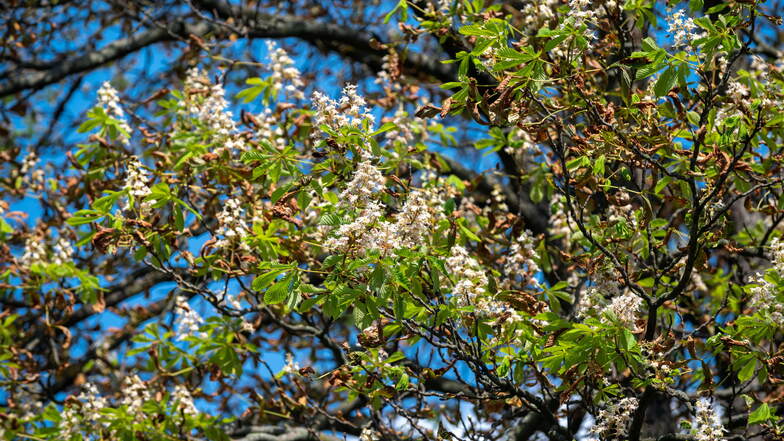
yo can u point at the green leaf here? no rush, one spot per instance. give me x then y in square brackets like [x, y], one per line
[747, 371]
[577, 162]
[278, 193]
[476, 30]
[265, 279]
[402, 383]
[646, 282]
[6, 228]
[467, 232]
[278, 292]
[760, 414]
[385, 128]
[555, 42]
[359, 316]
[330, 219]
[666, 82]
[598, 166]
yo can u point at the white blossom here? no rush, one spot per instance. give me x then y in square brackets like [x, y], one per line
[366, 181]
[622, 304]
[27, 402]
[581, 12]
[232, 226]
[357, 232]
[707, 423]
[625, 308]
[110, 101]
[592, 301]
[188, 321]
[282, 67]
[683, 29]
[135, 394]
[521, 261]
[28, 163]
[182, 396]
[537, 12]
[350, 111]
[34, 252]
[403, 132]
[84, 416]
[470, 282]
[206, 101]
[63, 251]
[291, 367]
[137, 183]
[764, 293]
[559, 220]
[369, 231]
[416, 219]
[369, 434]
[270, 130]
[612, 423]
[31, 175]
[389, 72]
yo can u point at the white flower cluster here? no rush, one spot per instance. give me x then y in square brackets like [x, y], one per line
[282, 66]
[135, 394]
[404, 128]
[369, 434]
[592, 299]
[82, 414]
[27, 403]
[736, 89]
[764, 293]
[63, 251]
[612, 423]
[138, 185]
[498, 196]
[368, 231]
[657, 363]
[182, 396]
[110, 101]
[350, 111]
[232, 226]
[31, 175]
[580, 13]
[537, 12]
[707, 423]
[366, 181]
[559, 220]
[34, 252]
[740, 94]
[390, 72]
[291, 367]
[28, 163]
[207, 102]
[359, 232]
[521, 261]
[270, 130]
[523, 143]
[624, 305]
[85, 416]
[623, 211]
[470, 282]
[188, 320]
[683, 29]
[416, 219]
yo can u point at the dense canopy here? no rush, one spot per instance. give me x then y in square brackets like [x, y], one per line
[375, 220]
